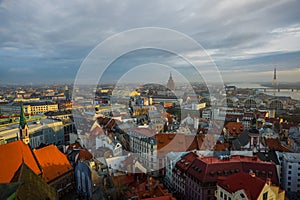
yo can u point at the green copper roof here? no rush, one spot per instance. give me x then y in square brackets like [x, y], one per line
[22, 117]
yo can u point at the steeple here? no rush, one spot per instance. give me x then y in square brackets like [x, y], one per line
[274, 82]
[23, 127]
[171, 84]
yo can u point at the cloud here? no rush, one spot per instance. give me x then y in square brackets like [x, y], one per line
[50, 39]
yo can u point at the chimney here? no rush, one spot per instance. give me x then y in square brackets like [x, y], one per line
[269, 182]
[251, 173]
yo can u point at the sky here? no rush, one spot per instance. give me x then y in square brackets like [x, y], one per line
[48, 41]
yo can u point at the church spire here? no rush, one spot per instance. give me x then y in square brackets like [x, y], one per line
[23, 127]
[171, 84]
[22, 118]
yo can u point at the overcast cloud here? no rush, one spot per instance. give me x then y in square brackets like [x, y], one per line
[46, 41]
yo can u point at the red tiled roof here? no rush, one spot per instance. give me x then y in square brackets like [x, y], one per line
[260, 114]
[160, 198]
[207, 169]
[242, 181]
[145, 131]
[175, 142]
[274, 144]
[75, 145]
[84, 155]
[53, 162]
[96, 131]
[286, 125]
[235, 128]
[184, 163]
[11, 159]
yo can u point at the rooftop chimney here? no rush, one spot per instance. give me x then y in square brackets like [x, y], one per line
[269, 181]
[251, 173]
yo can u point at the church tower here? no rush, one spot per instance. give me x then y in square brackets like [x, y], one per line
[23, 127]
[171, 84]
[274, 82]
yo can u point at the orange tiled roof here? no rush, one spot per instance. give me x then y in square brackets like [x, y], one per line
[274, 144]
[235, 128]
[176, 142]
[53, 162]
[11, 159]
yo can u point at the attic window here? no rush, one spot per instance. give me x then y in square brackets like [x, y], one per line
[212, 173]
[182, 161]
[270, 173]
[219, 173]
[225, 172]
[186, 163]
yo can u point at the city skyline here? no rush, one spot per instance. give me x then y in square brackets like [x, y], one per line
[45, 42]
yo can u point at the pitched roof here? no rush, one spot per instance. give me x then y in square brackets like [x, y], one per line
[30, 180]
[274, 144]
[53, 162]
[252, 185]
[171, 142]
[184, 163]
[235, 128]
[208, 169]
[11, 157]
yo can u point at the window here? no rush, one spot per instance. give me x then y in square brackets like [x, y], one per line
[289, 183]
[225, 196]
[265, 196]
[221, 194]
[242, 195]
[289, 178]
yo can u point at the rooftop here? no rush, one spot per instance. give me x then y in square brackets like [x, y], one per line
[11, 157]
[251, 185]
[53, 162]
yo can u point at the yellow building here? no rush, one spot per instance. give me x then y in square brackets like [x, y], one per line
[29, 107]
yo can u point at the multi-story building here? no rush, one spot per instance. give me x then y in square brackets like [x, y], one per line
[37, 107]
[171, 159]
[47, 131]
[290, 173]
[247, 186]
[57, 170]
[48, 164]
[143, 143]
[202, 173]
[179, 175]
[111, 143]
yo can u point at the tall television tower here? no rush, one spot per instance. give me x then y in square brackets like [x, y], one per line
[274, 82]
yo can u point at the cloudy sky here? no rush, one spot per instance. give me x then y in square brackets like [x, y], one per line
[47, 41]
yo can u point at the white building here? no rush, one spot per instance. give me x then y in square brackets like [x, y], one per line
[113, 144]
[47, 131]
[143, 143]
[290, 172]
[171, 159]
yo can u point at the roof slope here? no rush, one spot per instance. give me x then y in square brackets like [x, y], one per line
[30, 180]
[53, 162]
[242, 181]
[11, 157]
